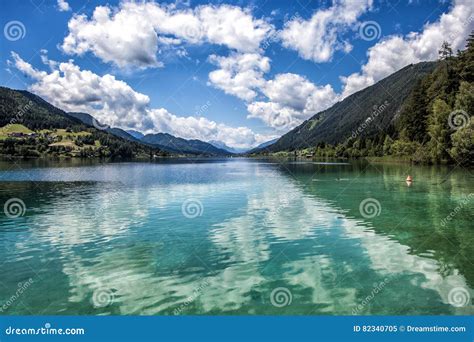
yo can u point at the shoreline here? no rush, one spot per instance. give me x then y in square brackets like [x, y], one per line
[388, 160]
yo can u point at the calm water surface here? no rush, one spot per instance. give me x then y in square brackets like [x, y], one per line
[235, 237]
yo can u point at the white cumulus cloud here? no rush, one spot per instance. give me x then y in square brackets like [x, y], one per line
[63, 6]
[291, 99]
[115, 103]
[318, 38]
[395, 52]
[134, 33]
[239, 74]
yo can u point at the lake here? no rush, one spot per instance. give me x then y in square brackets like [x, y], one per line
[235, 236]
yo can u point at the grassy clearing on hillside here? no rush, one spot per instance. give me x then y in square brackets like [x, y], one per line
[13, 128]
[66, 143]
[59, 141]
[5, 131]
[63, 133]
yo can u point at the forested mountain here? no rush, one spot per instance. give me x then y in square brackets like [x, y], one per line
[135, 134]
[30, 126]
[422, 112]
[267, 143]
[263, 145]
[83, 117]
[381, 101]
[183, 146]
[163, 141]
[35, 113]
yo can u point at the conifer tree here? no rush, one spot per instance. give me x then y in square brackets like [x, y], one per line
[463, 145]
[387, 145]
[438, 130]
[466, 61]
[445, 52]
[414, 114]
[465, 98]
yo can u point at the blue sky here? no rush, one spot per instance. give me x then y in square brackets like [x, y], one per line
[241, 72]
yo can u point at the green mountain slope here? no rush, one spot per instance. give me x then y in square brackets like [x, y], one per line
[135, 134]
[381, 101]
[262, 146]
[52, 131]
[183, 146]
[422, 114]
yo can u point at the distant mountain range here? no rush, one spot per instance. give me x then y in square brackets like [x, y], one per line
[163, 141]
[168, 142]
[182, 146]
[135, 134]
[222, 145]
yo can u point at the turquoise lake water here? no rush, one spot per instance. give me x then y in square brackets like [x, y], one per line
[235, 236]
